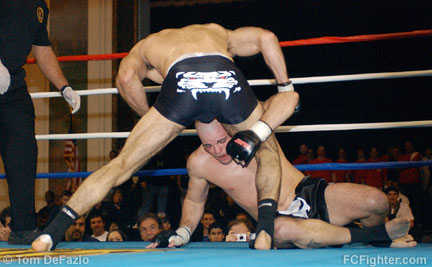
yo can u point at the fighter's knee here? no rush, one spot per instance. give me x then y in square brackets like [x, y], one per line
[124, 78]
[268, 39]
[377, 201]
[269, 148]
[287, 230]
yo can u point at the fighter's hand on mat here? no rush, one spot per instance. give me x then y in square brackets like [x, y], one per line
[161, 240]
[4, 79]
[244, 144]
[172, 239]
[72, 97]
[156, 245]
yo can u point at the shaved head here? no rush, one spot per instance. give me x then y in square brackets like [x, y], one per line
[214, 139]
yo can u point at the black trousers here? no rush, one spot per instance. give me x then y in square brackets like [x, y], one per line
[18, 149]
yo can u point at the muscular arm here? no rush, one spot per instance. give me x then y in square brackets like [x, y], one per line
[248, 41]
[50, 67]
[193, 204]
[132, 71]
[279, 108]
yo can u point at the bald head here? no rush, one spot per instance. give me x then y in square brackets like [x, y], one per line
[209, 130]
[214, 139]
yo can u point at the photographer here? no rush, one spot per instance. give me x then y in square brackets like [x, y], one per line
[238, 231]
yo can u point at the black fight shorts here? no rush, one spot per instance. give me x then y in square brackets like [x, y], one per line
[309, 202]
[205, 88]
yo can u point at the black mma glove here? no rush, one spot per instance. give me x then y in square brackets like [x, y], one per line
[181, 237]
[244, 144]
[163, 238]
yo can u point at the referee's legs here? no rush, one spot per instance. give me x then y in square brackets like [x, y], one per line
[18, 149]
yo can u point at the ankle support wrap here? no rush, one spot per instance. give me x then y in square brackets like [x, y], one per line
[57, 228]
[375, 235]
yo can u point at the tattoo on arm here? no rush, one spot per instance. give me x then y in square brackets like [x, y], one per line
[313, 244]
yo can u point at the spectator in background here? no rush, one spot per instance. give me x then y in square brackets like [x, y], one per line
[75, 232]
[97, 224]
[243, 216]
[183, 180]
[43, 216]
[99, 209]
[425, 171]
[117, 211]
[202, 231]
[426, 187]
[132, 194]
[116, 235]
[359, 176]
[238, 231]
[321, 158]
[207, 219]
[341, 176]
[216, 201]
[64, 197]
[303, 157]
[155, 187]
[166, 225]
[393, 173]
[375, 177]
[402, 197]
[149, 226]
[398, 209]
[310, 157]
[5, 219]
[113, 226]
[229, 210]
[409, 178]
[216, 232]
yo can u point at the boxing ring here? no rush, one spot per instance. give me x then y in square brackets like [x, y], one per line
[234, 254]
[213, 254]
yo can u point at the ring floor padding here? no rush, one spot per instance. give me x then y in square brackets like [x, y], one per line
[107, 254]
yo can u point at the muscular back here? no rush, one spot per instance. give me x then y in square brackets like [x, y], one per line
[161, 49]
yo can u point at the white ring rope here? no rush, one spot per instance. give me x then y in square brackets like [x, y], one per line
[281, 129]
[260, 82]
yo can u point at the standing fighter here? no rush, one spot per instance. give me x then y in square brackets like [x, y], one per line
[23, 28]
[311, 212]
[200, 82]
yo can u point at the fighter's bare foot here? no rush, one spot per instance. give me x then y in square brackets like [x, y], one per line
[397, 228]
[263, 241]
[406, 241]
[42, 244]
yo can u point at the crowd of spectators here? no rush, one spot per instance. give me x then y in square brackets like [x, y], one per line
[144, 206]
[413, 185]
